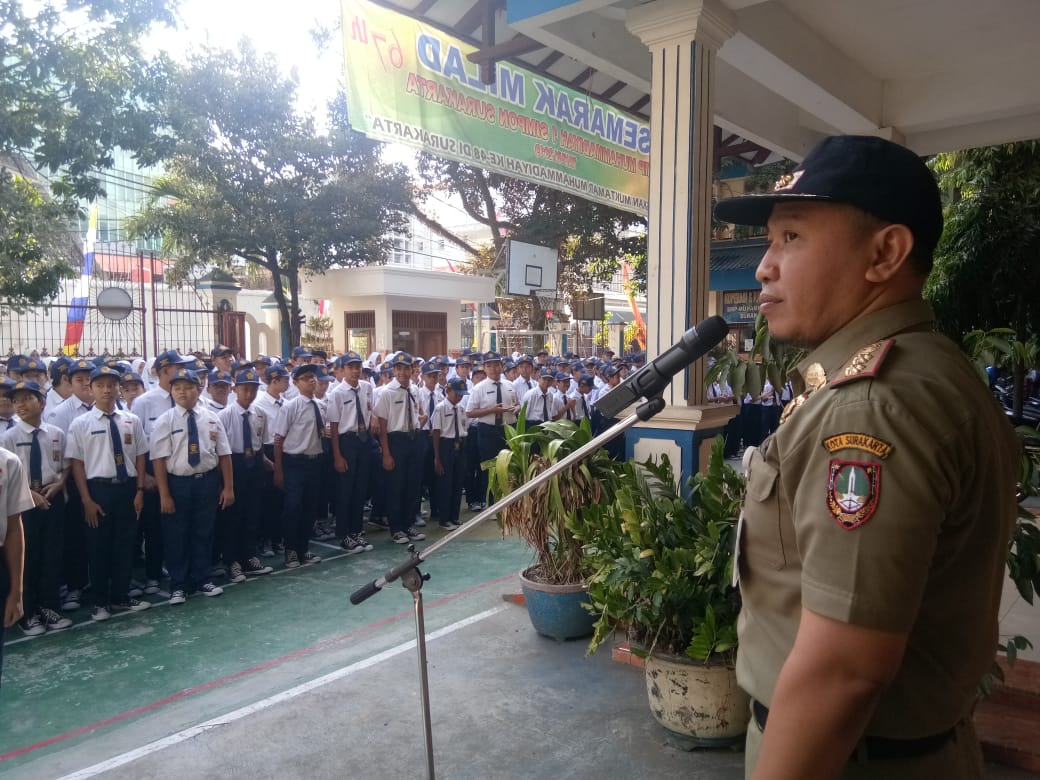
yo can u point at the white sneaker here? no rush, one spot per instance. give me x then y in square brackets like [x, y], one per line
[100, 613]
[178, 597]
[32, 626]
[209, 589]
[52, 621]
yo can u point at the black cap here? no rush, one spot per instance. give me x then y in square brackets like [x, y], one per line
[882, 178]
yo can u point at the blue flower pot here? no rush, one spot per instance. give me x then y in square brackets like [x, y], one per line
[556, 610]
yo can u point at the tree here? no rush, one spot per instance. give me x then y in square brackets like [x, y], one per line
[991, 242]
[248, 176]
[987, 264]
[594, 238]
[74, 84]
[35, 245]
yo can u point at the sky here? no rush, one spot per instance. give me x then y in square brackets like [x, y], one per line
[276, 26]
[283, 27]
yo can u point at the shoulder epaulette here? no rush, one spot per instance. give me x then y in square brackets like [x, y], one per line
[865, 363]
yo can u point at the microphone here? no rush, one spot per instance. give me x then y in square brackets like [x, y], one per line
[655, 376]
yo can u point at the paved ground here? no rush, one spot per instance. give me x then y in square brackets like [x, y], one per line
[281, 677]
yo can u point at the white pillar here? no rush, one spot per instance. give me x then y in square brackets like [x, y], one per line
[683, 37]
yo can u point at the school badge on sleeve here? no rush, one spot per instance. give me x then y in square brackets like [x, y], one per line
[852, 491]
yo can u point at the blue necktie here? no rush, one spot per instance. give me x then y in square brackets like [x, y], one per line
[247, 436]
[194, 456]
[545, 407]
[357, 410]
[35, 462]
[317, 418]
[117, 449]
[498, 400]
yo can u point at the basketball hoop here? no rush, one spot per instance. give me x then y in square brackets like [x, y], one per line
[546, 301]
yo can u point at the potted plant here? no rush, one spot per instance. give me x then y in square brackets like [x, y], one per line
[662, 568]
[546, 519]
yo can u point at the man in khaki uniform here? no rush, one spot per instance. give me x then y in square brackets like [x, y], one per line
[872, 548]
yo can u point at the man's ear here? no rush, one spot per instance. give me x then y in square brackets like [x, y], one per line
[890, 249]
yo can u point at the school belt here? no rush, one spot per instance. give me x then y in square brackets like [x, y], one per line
[302, 455]
[409, 434]
[491, 425]
[878, 748]
[200, 475]
[109, 481]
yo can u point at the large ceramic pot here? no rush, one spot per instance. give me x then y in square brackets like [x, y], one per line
[700, 702]
[556, 610]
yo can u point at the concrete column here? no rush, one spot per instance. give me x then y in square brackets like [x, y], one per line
[683, 37]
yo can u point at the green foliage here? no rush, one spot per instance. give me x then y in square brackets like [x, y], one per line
[248, 175]
[768, 359]
[991, 241]
[74, 84]
[550, 519]
[663, 564]
[594, 238]
[36, 249]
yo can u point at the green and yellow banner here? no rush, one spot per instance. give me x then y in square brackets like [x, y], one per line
[410, 83]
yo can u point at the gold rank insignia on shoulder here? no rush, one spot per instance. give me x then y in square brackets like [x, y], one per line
[865, 363]
[815, 378]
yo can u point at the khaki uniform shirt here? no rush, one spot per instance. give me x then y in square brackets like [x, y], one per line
[885, 500]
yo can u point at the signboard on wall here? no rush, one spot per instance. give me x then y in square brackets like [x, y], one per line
[740, 305]
[410, 83]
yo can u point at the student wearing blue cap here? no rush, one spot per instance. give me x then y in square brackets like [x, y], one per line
[131, 387]
[106, 447]
[449, 426]
[192, 460]
[397, 409]
[60, 388]
[246, 426]
[350, 416]
[40, 447]
[299, 434]
[219, 389]
[74, 563]
[430, 395]
[270, 400]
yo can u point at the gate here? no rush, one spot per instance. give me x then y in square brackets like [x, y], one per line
[121, 306]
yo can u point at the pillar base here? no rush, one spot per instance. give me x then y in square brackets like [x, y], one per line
[683, 433]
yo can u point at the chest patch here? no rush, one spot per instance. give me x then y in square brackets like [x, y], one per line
[858, 441]
[853, 489]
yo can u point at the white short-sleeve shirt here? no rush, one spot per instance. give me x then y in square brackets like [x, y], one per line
[90, 440]
[14, 490]
[170, 440]
[52, 448]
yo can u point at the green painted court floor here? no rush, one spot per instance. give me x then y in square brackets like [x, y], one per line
[102, 686]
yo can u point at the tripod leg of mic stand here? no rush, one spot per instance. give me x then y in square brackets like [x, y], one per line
[413, 580]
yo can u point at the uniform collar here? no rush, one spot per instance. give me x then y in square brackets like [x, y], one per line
[184, 412]
[833, 353]
[98, 414]
[24, 427]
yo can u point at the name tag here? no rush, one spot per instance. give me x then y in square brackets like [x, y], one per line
[127, 439]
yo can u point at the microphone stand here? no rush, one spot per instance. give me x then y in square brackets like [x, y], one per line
[412, 579]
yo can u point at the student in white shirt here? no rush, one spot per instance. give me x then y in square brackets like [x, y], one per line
[40, 447]
[400, 421]
[448, 435]
[350, 417]
[246, 425]
[14, 499]
[541, 404]
[106, 447]
[192, 460]
[493, 404]
[299, 433]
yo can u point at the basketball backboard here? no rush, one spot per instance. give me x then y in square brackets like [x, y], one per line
[530, 267]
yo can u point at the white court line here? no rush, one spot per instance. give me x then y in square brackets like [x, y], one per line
[278, 698]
